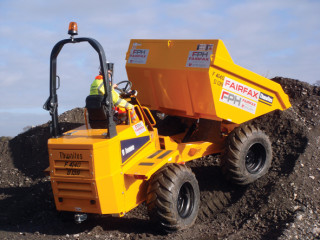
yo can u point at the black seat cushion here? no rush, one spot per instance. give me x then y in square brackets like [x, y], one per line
[97, 111]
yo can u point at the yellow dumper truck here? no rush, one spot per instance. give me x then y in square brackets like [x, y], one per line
[114, 167]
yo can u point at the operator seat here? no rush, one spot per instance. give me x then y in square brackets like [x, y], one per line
[97, 111]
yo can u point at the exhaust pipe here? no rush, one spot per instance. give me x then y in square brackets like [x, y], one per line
[80, 217]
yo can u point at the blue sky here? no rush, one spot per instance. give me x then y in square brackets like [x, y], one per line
[269, 37]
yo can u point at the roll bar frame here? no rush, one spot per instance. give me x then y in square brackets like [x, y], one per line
[51, 104]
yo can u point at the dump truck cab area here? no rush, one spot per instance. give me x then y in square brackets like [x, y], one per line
[113, 169]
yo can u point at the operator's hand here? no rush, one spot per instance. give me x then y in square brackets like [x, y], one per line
[114, 86]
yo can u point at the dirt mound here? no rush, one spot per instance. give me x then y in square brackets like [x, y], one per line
[284, 204]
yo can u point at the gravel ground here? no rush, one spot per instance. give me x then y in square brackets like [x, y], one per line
[285, 204]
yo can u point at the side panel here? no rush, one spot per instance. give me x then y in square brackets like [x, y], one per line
[135, 189]
[108, 178]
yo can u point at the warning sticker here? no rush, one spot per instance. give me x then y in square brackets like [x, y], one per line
[238, 101]
[199, 59]
[241, 89]
[205, 47]
[239, 95]
[139, 128]
[138, 56]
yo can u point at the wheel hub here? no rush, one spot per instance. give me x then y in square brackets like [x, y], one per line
[185, 201]
[255, 158]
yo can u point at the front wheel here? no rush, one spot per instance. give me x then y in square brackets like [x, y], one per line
[248, 155]
[173, 198]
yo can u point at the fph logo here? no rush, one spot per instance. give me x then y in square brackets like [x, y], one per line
[139, 51]
[200, 54]
[231, 98]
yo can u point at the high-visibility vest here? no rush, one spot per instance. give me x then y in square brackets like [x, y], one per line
[134, 116]
[97, 88]
[122, 114]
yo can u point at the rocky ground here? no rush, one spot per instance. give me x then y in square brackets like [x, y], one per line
[285, 204]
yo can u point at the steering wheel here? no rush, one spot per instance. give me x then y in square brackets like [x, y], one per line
[126, 89]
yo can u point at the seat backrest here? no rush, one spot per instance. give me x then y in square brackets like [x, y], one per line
[94, 101]
[98, 117]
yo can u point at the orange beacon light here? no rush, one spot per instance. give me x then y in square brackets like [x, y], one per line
[73, 28]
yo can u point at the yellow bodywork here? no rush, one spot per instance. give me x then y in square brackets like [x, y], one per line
[88, 171]
[92, 174]
[198, 79]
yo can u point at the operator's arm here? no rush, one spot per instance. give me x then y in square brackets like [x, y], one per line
[119, 102]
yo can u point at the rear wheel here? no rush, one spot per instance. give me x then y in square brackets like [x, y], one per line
[248, 155]
[173, 198]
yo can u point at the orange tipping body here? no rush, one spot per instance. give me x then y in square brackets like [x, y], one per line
[198, 79]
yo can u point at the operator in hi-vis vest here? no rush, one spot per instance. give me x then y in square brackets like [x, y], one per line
[97, 88]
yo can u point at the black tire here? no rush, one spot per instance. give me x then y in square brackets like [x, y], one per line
[248, 155]
[173, 198]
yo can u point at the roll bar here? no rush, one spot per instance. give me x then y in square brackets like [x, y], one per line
[51, 104]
